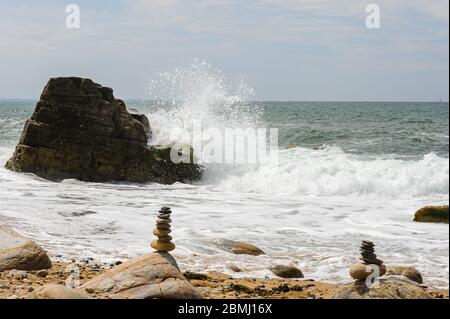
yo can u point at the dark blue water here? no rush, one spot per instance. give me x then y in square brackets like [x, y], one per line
[405, 129]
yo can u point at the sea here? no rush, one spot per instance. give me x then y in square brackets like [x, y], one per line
[345, 172]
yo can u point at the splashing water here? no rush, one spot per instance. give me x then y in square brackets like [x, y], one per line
[199, 93]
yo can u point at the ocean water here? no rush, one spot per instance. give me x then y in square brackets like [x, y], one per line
[359, 171]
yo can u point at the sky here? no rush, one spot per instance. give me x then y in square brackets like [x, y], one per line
[305, 50]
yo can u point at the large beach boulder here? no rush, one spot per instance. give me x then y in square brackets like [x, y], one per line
[19, 252]
[385, 289]
[154, 275]
[79, 130]
[432, 214]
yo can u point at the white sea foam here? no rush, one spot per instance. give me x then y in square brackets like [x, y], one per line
[320, 234]
[330, 172]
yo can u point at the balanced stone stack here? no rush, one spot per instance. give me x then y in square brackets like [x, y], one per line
[370, 263]
[368, 253]
[162, 231]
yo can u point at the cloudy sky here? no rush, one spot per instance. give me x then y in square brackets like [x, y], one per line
[285, 49]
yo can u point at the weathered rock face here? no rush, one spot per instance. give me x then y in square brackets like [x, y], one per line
[79, 130]
[432, 214]
[386, 289]
[155, 275]
[18, 252]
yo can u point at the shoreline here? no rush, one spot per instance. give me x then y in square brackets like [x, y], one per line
[16, 284]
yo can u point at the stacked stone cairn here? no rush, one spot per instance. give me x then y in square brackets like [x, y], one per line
[370, 264]
[162, 231]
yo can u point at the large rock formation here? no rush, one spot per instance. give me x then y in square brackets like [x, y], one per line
[18, 252]
[154, 275]
[79, 130]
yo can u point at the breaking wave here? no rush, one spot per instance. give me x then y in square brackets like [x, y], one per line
[201, 93]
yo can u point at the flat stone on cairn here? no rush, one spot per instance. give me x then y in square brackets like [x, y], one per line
[361, 271]
[162, 231]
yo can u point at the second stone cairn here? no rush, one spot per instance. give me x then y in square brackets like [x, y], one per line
[370, 263]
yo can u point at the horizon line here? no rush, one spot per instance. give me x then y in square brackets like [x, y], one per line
[268, 100]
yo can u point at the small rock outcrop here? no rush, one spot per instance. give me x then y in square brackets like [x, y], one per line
[432, 214]
[19, 252]
[238, 247]
[154, 275]
[385, 289]
[286, 271]
[409, 272]
[79, 130]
